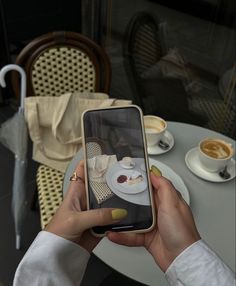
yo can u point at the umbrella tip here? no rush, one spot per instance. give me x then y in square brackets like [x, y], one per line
[17, 241]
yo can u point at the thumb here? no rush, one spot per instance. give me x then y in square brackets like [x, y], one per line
[99, 217]
[165, 191]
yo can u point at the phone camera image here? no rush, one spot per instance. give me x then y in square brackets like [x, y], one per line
[116, 166]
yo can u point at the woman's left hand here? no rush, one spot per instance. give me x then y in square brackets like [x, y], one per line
[72, 221]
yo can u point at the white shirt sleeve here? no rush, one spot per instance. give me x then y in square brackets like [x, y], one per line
[198, 265]
[52, 260]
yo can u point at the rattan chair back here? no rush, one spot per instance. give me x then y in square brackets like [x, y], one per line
[144, 43]
[60, 62]
[94, 147]
[143, 46]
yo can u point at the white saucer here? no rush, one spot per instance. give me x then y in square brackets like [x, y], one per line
[131, 166]
[193, 163]
[156, 150]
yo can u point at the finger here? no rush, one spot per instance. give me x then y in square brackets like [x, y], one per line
[79, 170]
[99, 217]
[82, 190]
[128, 239]
[166, 192]
[179, 194]
[76, 189]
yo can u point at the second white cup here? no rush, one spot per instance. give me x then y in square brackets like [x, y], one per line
[155, 128]
[214, 154]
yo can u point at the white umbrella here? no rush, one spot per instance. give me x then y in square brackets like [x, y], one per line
[14, 136]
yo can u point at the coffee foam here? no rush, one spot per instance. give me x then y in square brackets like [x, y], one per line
[152, 129]
[215, 149]
[154, 126]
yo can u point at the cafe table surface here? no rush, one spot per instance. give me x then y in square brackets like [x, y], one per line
[212, 204]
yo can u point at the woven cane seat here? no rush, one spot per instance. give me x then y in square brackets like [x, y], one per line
[101, 191]
[56, 63]
[221, 116]
[49, 185]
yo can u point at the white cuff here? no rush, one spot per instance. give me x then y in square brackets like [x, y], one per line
[52, 260]
[198, 265]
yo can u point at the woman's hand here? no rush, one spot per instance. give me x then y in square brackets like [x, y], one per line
[175, 229]
[72, 221]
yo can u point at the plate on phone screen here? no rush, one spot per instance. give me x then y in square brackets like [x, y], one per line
[126, 181]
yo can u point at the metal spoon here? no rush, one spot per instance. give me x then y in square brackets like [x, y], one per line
[224, 173]
[163, 145]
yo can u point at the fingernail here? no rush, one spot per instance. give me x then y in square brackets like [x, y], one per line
[118, 214]
[156, 171]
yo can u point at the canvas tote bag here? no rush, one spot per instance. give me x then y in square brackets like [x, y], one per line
[54, 124]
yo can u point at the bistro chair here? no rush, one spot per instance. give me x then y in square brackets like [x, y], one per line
[144, 44]
[94, 147]
[57, 63]
[101, 191]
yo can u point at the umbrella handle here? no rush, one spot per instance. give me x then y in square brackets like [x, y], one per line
[11, 67]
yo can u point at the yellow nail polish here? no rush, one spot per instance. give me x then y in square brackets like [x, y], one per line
[155, 171]
[118, 214]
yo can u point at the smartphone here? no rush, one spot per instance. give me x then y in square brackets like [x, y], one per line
[116, 166]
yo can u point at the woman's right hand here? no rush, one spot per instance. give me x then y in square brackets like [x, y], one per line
[175, 229]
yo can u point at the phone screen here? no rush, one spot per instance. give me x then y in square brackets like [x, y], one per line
[116, 166]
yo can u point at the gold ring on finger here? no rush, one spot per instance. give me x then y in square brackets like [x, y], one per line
[75, 177]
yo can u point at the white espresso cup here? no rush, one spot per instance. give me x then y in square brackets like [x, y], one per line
[214, 154]
[155, 128]
[127, 162]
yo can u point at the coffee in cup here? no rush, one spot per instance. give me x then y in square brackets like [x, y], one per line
[155, 128]
[214, 154]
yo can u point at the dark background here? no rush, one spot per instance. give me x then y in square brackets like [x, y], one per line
[222, 12]
[21, 21]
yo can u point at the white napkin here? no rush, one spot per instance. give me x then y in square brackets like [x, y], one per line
[97, 167]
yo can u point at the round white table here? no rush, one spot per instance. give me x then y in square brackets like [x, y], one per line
[213, 206]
